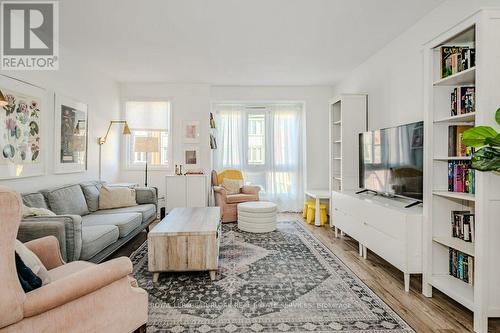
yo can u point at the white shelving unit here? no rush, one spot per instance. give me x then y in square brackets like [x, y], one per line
[481, 31]
[348, 118]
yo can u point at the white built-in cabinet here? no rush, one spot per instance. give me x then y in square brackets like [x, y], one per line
[348, 118]
[186, 191]
[481, 31]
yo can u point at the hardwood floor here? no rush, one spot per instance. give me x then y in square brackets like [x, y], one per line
[438, 314]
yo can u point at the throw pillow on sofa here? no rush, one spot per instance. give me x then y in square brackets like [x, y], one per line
[32, 261]
[232, 186]
[34, 211]
[116, 197]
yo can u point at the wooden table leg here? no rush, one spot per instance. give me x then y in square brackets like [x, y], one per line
[212, 275]
[155, 277]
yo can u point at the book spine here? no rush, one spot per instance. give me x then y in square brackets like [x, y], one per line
[451, 168]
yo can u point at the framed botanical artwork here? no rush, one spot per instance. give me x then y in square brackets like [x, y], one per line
[191, 131]
[70, 135]
[191, 156]
[22, 132]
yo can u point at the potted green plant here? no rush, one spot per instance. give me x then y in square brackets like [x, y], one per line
[487, 143]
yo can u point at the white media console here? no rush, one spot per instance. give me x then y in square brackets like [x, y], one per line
[382, 225]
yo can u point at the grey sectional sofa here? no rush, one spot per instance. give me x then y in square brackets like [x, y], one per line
[85, 232]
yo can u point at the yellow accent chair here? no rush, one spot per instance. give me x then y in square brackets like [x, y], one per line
[228, 202]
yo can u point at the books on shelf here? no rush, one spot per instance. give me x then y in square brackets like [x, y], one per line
[461, 266]
[455, 145]
[455, 59]
[461, 177]
[462, 225]
[463, 100]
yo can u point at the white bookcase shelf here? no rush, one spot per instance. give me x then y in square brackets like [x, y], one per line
[455, 195]
[466, 77]
[453, 158]
[463, 118]
[480, 31]
[347, 118]
[456, 243]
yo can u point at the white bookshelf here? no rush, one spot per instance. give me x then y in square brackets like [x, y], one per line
[481, 31]
[348, 118]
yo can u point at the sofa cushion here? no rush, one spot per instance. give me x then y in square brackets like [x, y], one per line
[36, 200]
[96, 238]
[237, 198]
[116, 197]
[68, 269]
[91, 192]
[147, 210]
[66, 200]
[126, 222]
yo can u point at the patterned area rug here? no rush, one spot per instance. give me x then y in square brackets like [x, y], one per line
[283, 281]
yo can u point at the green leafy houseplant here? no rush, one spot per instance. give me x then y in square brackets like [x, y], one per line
[487, 142]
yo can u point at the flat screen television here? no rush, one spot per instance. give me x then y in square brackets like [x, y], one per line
[391, 160]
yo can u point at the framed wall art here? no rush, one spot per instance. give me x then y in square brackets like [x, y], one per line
[22, 132]
[70, 135]
[191, 131]
[191, 156]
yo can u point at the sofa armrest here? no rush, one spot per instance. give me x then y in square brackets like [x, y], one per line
[47, 250]
[146, 195]
[221, 190]
[66, 228]
[247, 189]
[74, 286]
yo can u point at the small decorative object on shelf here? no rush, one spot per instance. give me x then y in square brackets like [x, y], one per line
[212, 120]
[213, 142]
[194, 172]
[178, 170]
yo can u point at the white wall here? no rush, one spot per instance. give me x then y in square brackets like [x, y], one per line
[393, 77]
[316, 118]
[188, 102]
[77, 79]
[192, 102]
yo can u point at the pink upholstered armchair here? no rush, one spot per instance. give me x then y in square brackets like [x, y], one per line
[228, 202]
[80, 297]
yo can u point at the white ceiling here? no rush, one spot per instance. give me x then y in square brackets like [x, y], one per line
[233, 42]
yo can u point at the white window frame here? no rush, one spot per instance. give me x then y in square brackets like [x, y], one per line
[127, 141]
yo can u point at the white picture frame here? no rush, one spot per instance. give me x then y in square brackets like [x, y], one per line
[191, 156]
[191, 131]
[23, 145]
[70, 135]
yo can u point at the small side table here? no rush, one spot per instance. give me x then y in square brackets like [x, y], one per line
[318, 195]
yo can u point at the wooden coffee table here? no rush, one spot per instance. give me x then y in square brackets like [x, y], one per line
[187, 239]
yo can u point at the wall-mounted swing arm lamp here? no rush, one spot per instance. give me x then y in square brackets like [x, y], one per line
[102, 140]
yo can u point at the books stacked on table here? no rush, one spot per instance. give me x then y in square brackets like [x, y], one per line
[462, 225]
[455, 59]
[455, 145]
[462, 266]
[463, 100]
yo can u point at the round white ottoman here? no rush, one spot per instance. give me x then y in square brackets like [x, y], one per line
[257, 216]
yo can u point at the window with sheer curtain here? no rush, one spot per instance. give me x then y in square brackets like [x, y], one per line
[265, 143]
[148, 119]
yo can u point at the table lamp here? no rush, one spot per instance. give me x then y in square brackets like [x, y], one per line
[146, 145]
